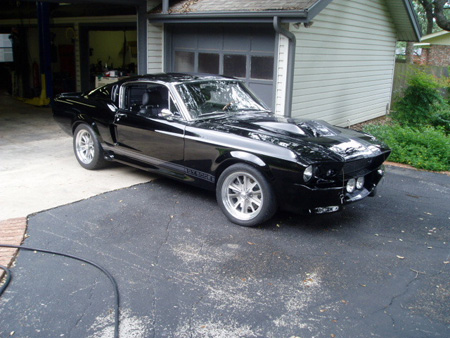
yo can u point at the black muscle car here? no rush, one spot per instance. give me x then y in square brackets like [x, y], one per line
[213, 132]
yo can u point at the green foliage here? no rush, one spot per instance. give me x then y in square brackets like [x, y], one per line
[424, 148]
[440, 118]
[423, 102]
[422, 16]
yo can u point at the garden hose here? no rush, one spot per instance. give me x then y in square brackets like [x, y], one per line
[110, 277]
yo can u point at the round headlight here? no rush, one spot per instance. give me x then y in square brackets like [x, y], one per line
[351, 185]
[308, 173]
[360, 183]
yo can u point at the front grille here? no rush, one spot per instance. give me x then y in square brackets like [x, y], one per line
[362, 166]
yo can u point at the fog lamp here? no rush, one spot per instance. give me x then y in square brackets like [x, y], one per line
[308, 173]
[351, 185]
[360, 183]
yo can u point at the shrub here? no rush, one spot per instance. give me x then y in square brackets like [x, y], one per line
[441, 118]
[424, 148]
[423, 102]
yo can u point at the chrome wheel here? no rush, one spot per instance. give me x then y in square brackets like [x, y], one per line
[245, 195]
[242, 195]
[84, 146]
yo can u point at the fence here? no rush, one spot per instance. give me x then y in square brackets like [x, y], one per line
[403, 71]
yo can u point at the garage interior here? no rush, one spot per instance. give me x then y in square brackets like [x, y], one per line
[33, 149]
[42, 38]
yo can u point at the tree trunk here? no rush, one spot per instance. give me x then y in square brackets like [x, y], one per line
[409, 53]
[428, 7]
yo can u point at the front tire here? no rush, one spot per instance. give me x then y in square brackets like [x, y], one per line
[87, 148]
[245, 196]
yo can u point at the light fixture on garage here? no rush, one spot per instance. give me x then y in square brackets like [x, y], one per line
[306, 24]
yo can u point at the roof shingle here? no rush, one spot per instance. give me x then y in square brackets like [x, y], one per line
[202, 6]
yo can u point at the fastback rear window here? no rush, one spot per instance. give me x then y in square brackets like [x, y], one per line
[101, 92]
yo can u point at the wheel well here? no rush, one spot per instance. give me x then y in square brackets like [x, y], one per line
[222, 167]
[76, 124]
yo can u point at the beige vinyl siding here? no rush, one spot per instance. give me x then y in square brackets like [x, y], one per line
[345, 63]
[155, 50]
[442, 39]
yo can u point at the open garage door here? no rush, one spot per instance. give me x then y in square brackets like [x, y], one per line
[241, 51]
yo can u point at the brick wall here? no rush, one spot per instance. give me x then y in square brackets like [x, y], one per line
[434, 56]
[11, 232]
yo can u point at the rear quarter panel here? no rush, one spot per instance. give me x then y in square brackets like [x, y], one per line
[70, 111]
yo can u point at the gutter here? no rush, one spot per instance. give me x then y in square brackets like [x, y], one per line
[229, 16]
[290, 65]
[413, 19]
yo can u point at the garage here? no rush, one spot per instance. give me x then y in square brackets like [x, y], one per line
[242, 51]
[72, 44]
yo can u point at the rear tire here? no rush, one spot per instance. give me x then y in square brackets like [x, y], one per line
[245, 196]
[87, 148]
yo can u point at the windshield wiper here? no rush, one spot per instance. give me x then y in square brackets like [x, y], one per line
[256, 109]
[210, 115]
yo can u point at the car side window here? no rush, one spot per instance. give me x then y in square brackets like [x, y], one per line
[146, 99]
[132, 99]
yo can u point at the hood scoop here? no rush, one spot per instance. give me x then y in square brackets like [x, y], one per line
[299, 128]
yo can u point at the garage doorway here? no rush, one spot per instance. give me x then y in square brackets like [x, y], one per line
[242, 51]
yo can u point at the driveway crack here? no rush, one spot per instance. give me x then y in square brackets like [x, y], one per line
[158, 255]
[165, 241]
[385, 309]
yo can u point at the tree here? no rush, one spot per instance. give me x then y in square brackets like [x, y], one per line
[440, 9]
[433, 16]
[435, 12]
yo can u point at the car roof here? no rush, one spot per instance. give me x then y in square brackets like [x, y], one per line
[175, 77]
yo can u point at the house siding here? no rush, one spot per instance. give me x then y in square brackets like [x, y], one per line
[155, 50]
[345, 63]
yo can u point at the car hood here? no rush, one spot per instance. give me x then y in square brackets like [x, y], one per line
[311, 139]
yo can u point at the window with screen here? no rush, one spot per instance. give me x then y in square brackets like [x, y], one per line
[235, 65]
[6, 50]
[208, 63]
[262, 67]
[184, 61]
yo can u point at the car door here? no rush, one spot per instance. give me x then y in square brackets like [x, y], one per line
[145, 132]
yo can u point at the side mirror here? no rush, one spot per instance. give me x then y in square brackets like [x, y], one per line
[167, 114]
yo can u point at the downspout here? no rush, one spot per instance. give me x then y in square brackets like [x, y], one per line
[165, 7]
[290, 65]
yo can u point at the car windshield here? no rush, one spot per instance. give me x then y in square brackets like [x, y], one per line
[218, 97]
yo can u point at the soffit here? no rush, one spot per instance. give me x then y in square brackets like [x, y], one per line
[405, 20]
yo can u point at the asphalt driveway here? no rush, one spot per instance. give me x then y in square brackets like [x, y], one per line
[380, 268]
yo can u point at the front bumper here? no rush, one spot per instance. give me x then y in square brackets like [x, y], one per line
[303, 198]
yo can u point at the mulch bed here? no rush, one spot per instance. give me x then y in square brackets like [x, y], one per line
[379, 120]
